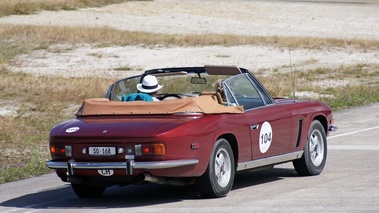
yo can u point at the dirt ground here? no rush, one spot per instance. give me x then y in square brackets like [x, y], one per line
[329, 19]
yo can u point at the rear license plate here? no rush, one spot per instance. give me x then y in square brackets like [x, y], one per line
[102, 151]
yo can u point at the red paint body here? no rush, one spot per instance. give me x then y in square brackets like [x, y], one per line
[178, 132]
[188, 136]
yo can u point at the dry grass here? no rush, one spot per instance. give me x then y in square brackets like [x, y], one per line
[25, 7]
[41, 103]
[108, 36]
[19, 39]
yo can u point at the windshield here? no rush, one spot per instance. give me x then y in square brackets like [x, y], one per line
[181, 84]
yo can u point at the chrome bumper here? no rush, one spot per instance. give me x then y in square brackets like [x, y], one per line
[129, 165]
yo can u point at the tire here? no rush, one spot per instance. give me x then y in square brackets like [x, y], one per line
[218, 179]
[315, 152]
[87, 191]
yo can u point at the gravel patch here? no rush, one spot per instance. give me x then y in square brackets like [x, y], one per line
[260, 18]
[255, 18]
[87, 60]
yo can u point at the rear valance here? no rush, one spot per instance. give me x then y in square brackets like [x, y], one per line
[203, 104]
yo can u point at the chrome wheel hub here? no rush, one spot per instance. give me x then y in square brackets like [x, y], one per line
[222, 167]
[316, 148]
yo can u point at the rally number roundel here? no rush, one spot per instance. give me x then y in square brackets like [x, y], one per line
[265, 137]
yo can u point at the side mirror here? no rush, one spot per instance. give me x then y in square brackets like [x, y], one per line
[198, 80]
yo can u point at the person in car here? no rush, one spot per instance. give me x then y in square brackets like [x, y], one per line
[149, 86]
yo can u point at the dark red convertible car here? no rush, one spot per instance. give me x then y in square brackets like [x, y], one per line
[208, 123]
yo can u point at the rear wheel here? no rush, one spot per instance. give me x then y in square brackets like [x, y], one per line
[218, 179]
[87, 191]
[315, 151]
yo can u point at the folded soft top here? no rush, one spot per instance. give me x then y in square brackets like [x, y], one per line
[203, 104]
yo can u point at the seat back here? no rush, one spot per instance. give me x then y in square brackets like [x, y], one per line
[215, 95]
[136, 97]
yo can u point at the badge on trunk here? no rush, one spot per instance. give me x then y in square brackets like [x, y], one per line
[72, 129]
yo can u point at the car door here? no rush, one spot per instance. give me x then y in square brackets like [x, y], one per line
[270, 124]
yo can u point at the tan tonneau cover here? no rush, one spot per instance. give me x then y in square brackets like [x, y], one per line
[203, 104]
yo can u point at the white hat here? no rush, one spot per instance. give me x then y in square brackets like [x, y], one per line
[149, 84]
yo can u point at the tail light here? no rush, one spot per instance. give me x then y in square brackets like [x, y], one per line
[150, 149]
[61, 150]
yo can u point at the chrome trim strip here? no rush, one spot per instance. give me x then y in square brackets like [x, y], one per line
[122, 165]
[164, 164]
[188, 113]
[269, 161]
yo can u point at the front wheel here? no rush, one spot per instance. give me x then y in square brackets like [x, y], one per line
[315, 151]
[87, 191]
[218, 179]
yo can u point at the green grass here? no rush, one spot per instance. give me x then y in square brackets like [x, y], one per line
[352, 96]
[363, 89]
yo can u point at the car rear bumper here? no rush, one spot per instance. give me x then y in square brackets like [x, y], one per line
[128, 165]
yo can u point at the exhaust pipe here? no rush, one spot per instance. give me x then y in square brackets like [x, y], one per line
[167, 181]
